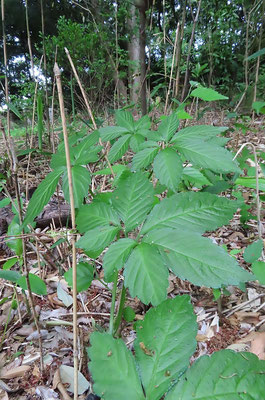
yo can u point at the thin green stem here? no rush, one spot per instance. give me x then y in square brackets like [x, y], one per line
[113, 300]
[120, 311]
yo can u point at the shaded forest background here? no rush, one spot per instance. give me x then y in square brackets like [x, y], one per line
[133, 52]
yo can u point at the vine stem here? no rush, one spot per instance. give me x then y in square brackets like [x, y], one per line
[113, 301]
[57, 74]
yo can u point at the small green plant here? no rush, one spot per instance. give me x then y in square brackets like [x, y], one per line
[143, 238]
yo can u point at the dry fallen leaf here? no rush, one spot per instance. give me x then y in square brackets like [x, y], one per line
[258, 345]
[15, 372]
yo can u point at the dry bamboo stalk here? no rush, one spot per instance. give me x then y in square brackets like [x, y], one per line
[172, 67]
[87, 103]
[57, 74]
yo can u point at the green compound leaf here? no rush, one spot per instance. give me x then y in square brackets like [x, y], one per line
[198, 212]
[144, 158]
[225, 375]
[81, 181]
[168, 168]
[119, 148]
[116, 256]
[97, 214]
[146, 275]
[95, 240]
[42, 195]
[197, 259]
[168, 126]
[165, 342]
[113, 369]
[133, 199]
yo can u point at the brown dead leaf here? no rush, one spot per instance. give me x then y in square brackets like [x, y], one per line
[15, 372]
[54, 301]
[3, 395]
[57, 384]
[248, 317]
[201, 338]
[258, 345]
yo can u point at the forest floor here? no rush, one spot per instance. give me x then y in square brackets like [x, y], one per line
[236, 320]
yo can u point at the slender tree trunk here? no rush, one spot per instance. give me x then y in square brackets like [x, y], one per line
[258, 59]
[179, 45]
[246, 55]
[142, 40]
[6, 66]
[210, 49]
[184, 90]
[45, 71]
[134, 54]
[137, 23]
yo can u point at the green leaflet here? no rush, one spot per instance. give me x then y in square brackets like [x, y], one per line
[8, 275]
[251, 182]
[36, 284]
[207, 94]
[84, 276]
[113, 369]
[168, 126]
[95, 240]
[116, 256]
[144, 158]
[42, 195]
[146, 275]
[206, 155]
[111, 132]
[133, 199]
[119, 148]
[198, 212]
[165, 342]
[95, 214]
[168, 168]
[14, 242]
[195, 177]
[225, 375]
[81, 181]
[203, 132]
[196, 258]
[253, 251]
[125, 119]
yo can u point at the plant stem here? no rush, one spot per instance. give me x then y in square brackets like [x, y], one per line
[120, 311]
[113, 300]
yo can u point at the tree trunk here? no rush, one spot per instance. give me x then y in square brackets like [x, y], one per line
[136, 23]
[187, 73]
